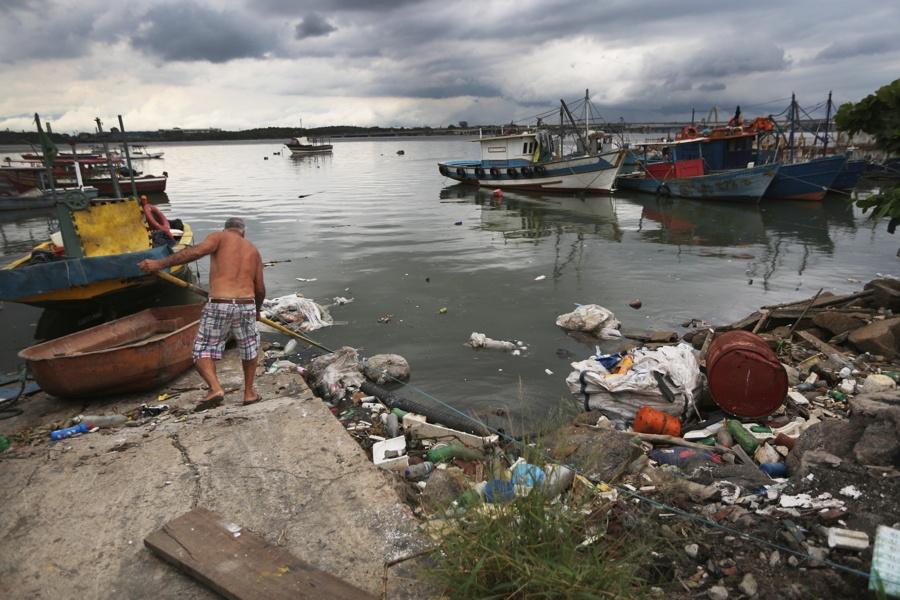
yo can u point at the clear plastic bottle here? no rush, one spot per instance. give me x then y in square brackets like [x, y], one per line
[104, 421]
[419, 471]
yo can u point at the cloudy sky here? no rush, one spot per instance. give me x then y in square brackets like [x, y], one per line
[249, 63]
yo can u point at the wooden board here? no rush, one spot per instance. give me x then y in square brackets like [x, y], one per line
[241, 565]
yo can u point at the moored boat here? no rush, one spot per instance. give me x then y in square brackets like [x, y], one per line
[304, 145]
[526, 161]
[850, 175]
[809, 180]
[94, 256]
[132, 354]
[745, 185]
[39, 199]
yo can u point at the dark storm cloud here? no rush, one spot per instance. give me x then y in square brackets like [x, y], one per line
[861, 46]
[299, 7]
[711, 87]
[313, 25]
[194, 32]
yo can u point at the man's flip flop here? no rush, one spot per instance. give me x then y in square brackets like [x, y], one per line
[210, 403]
[252, 401]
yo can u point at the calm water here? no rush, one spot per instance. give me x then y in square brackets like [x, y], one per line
[384, 226]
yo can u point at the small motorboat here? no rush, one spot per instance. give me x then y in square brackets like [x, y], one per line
[303, 145]
[135, 353]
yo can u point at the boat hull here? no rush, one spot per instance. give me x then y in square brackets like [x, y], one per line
[742, 185]
[43, 200]
[594, 174]
[849, 176]
[810, 180]
[132, 354]
[145, 185]
[326, 149]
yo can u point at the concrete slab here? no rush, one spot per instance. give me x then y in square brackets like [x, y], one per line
[75, 512]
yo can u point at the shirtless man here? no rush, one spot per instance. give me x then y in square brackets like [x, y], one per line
[236, 293]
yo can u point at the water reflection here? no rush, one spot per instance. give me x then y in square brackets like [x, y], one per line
[532, 216]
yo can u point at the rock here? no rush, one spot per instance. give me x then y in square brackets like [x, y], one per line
[636, 303]
[717, 592]
[879, 445]
[775, 558]
[443, 487]
[793, 561]
[878, 337]
[601, 455]
[692, 550]
[877, 383]
[837, 322]
[748, 585]
[816, 555]
[793, 375]
[383, 368]
[885, 294]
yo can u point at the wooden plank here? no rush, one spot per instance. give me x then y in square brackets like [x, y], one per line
[241, 565]
[829, 350]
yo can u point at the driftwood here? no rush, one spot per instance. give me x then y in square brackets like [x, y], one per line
[674, 441]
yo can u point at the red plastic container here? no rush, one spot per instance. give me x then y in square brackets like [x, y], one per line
[745, 377]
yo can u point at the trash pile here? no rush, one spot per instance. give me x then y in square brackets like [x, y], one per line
[298, 313]
[784, 426]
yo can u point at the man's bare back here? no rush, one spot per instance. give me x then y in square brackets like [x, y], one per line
[236, 269]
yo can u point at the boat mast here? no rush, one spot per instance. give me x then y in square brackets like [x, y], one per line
[127, 157]
[112, 172]
[560, 132]
[587, 104]
[827, 122]
[791, 137]
[47, 160]
[574, 124]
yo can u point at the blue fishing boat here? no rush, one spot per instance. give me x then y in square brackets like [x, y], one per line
[849, 176]
[808, 180]
[682, 169]
[745, 185]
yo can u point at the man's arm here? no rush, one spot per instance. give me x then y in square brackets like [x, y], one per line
[259, 286]
[189, 254]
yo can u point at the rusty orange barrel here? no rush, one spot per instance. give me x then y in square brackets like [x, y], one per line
[650, 420]
[745, 377]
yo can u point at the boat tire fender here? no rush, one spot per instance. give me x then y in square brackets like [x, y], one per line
[663, 190]
[479, 172]
[460, 172]
[526, 171]
[495, 172]
[512, 172]
[540, 170]
[156, 219]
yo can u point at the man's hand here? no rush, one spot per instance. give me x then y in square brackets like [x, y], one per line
[149, 265]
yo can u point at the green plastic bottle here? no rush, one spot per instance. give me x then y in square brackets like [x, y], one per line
[451, 451]
[742, 436]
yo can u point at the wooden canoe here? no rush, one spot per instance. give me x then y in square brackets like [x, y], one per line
[135, 353]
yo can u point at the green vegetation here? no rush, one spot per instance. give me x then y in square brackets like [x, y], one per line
[533, 548]
[877, 114]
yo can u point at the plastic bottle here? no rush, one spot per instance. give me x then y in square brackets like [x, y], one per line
[839, 396]
[61, 434]
[104, 421]
[419, 471]
[559, 479]
[392, 425]
[290, 347]
[450, 451]
[742, 436]
[776, 469]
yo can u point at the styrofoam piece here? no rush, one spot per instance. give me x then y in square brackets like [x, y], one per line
[397, 463]
[421, 429]
[847, 539]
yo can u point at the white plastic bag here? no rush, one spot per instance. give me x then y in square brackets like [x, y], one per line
[593, 319]
[620, 396]
[334, 373]
[303, 313]
[480, 340]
